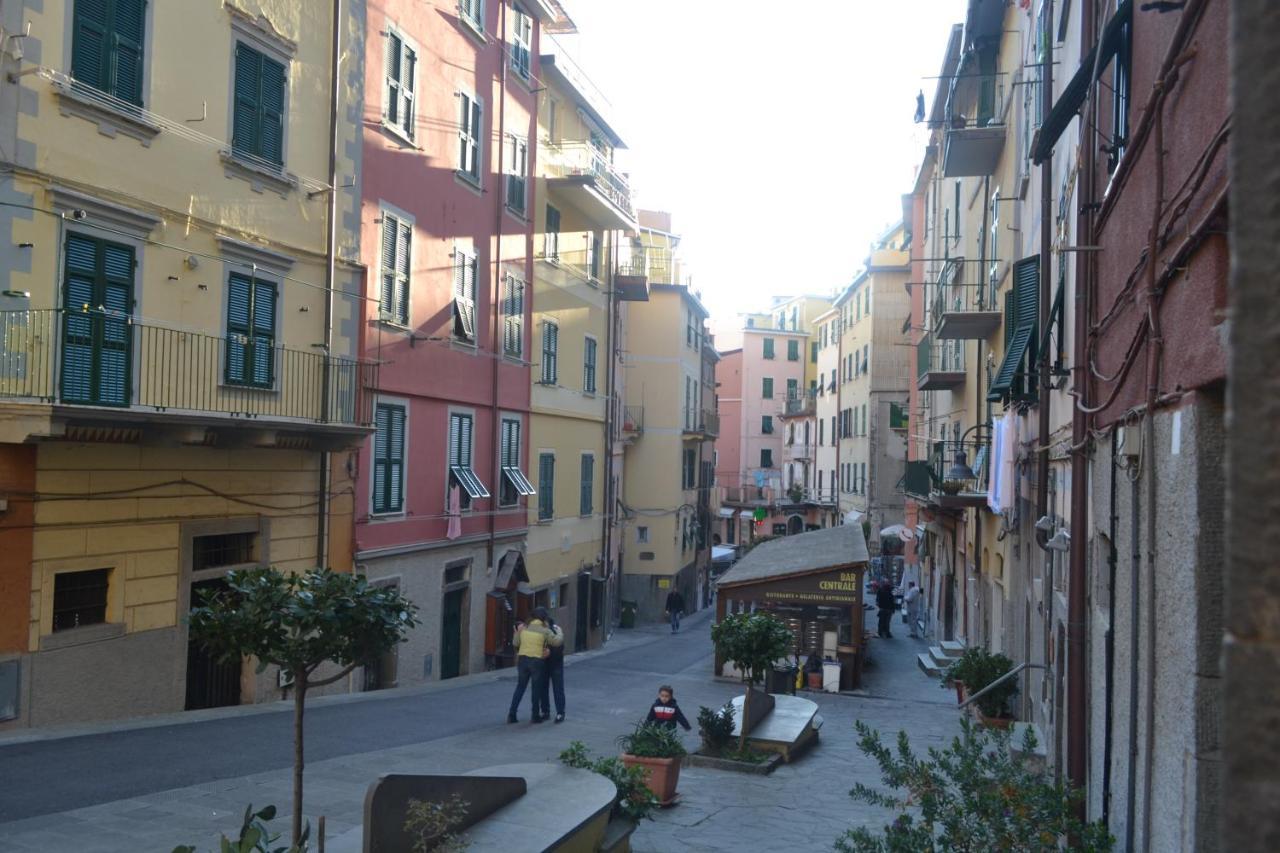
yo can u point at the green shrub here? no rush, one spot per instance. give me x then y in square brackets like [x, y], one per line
[973, 795]
[977, 668]
[255, 836]
[652, 740]
[432, 825]
[716, 728]
[634, 801]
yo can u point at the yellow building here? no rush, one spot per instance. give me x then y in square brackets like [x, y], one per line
[575, 426]
[667, 482]
[176, 361]
[871, 378]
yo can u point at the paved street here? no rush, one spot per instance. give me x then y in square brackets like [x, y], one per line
[152, 784]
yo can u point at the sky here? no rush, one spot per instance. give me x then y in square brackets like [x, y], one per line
[778, 134]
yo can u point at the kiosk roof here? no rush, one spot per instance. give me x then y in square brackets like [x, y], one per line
[801, 554]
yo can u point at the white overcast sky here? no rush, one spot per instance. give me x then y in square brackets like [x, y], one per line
[778, 134]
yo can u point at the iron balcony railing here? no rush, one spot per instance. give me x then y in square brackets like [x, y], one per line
[941, 479]
[975, 100]
[576, 159]
[801, 403]
[799, 451]
[586, 264]
[704, 422]
[655, 263]
[939, 364]
[102, 358]
[748, 495]
[631, 419]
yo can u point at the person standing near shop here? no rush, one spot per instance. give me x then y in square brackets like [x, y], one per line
[912, 601]
[675, 608]
[884, 601]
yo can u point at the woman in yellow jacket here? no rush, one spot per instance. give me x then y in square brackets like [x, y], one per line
[533, 647]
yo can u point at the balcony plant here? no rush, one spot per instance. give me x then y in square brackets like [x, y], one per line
[658, 750]
[795, 493]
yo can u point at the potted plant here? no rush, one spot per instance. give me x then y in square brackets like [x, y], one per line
[975, 669]
[716, 728]
[658, 750]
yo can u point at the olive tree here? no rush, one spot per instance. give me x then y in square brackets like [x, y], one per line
[751, 642]
[300, 622]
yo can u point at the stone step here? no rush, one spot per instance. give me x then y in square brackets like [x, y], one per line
[940, 658]
[928, 664]
[952, 648]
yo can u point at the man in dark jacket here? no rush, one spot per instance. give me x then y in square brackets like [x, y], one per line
[675, 607]
[884, 600]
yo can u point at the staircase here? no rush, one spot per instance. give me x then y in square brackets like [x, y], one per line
[939, 657]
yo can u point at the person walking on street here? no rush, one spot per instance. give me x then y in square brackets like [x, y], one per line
[884, 600]
[665, 712]
[912, 602]
[532, 649]
[675, 608]
[554, 682]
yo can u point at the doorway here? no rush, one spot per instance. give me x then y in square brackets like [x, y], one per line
[795, 524]
[97, 342]
[451, 633]
[210, 683]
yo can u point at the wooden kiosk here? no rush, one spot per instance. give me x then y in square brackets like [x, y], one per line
[813, 583]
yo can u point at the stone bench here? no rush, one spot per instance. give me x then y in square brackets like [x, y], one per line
[790, 727]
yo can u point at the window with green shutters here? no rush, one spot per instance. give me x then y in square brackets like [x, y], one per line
[766, 388]
[1015, 378]
[588, 478]
[397, 240]
[402, 66]
[689, 469]
[461, 474]
[388, 458]
[793, 350]
[251, 331]
[97, 337]
[464, 295]
[589, 366]
[550, 352]
[766, 424]
[766, 458]
[513, 483]
[513, 316]
[813, 352]
[768, 347]
[793, 389]
[470, 137]
[546, 486]
[257, 126]
[106, 47]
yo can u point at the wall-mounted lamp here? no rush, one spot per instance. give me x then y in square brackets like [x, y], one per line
[18, 294]
[173, 278]
[1045, 524]
[304, 309]
[1061, 541]
[26, 245]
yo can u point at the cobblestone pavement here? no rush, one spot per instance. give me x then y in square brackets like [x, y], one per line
[803, 806]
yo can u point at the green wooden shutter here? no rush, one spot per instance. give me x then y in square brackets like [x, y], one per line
[239, 301]
[588, 476]
[272, 111]
[766, 389]
[264, 334]
[97, 336]
[244, 121]
[768, 347]
[116, 339]
[404, 244]
[1023, 303]
[546, 486]
[391, 94]
[89, 43]
[387, 295]
[381, 441]
[126, 49]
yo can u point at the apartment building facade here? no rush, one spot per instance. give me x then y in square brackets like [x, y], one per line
[1069, 504]
[827, 415]
[668, 465]
[872, 381]
[575, 425]
[448, 217]
[181, 380]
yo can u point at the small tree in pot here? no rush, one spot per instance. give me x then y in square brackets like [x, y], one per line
[299, 622]
[751, 642]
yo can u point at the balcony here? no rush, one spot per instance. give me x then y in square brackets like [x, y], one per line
[799, 451]
[747, 495]
[799, 405]
[963, 310]
[939, 366]
[701, 424]
[934, 481]
[582, 265]
[581, 173]
[655, 264]
[974, 137]
[101, 368]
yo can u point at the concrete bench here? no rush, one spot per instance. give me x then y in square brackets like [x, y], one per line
[788, 729]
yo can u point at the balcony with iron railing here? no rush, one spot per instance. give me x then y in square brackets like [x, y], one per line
[800, 404]
[656, 264]
[799, 451]
[954, 476]
[701, 423]
[99, 365]
[963, 305]
[575, 263]
[939, 364]
[747, 495]
[975, 128]
[594, 184]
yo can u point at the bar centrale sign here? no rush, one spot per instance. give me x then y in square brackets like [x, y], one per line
[832, 588]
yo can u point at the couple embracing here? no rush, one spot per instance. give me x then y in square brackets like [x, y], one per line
[540, 659]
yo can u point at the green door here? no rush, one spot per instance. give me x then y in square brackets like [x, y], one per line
[97, 335]
[451, 637]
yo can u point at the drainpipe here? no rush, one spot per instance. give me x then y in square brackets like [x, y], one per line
[606, 521]
[1109, 699]
[331, 248]
[1135, 603]
[496, 298]
[1046, 218]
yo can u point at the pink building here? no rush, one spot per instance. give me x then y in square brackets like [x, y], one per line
[756, 384]
[450, 132]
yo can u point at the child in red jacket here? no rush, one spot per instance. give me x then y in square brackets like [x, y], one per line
[665, 711]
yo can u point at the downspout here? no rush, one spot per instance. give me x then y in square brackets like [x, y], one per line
[1077, 567]
[1135, 603]
[982, 265]
[330, 272]
[1046, 248]
[1110, 681]
[496, 298]
[606, 521]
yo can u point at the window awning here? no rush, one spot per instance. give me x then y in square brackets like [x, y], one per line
[1013, 357]
[747, 514]
[727, 512]
[518, 480]
[1072, 97]
[467, 479]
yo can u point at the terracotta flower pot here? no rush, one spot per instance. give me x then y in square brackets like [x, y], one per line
[993, 722]
[961, 692]
[815, 680]
[661, 775]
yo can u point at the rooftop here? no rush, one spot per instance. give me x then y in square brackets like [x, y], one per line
[801, 554]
